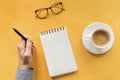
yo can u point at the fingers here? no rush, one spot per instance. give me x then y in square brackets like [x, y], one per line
[28, 37]
[26, 47]
[29, 45]
[22, 43]
[33, 49]
[21, 47]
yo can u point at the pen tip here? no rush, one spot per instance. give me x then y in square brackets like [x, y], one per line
[13, 28]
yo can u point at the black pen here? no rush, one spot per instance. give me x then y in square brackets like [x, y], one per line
[21, 35]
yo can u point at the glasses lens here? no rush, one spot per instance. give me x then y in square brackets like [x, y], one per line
[57, 8]
[42, 13]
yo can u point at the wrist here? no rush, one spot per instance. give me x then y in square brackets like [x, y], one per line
[24, 67]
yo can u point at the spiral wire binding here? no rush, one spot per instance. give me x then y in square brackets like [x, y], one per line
[52, 30]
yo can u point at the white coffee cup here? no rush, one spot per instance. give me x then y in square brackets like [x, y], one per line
[102, 34]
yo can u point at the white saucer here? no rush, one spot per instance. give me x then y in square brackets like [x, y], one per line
[87, 43]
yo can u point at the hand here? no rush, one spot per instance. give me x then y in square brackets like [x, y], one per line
[25, 51]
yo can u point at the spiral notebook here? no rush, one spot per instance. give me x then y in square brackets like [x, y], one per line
[58, 52]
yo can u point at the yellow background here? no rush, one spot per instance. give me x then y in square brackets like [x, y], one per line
[77, 15]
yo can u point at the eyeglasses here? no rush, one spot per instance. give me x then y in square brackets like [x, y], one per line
[56, 8]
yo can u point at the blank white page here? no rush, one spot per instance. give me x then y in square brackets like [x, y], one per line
[58, 52]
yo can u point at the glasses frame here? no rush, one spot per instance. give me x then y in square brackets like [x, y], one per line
[55, 4]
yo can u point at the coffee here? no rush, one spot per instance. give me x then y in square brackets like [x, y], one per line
[100, 38]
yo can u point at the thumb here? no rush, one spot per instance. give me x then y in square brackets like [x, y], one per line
[28, 47]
